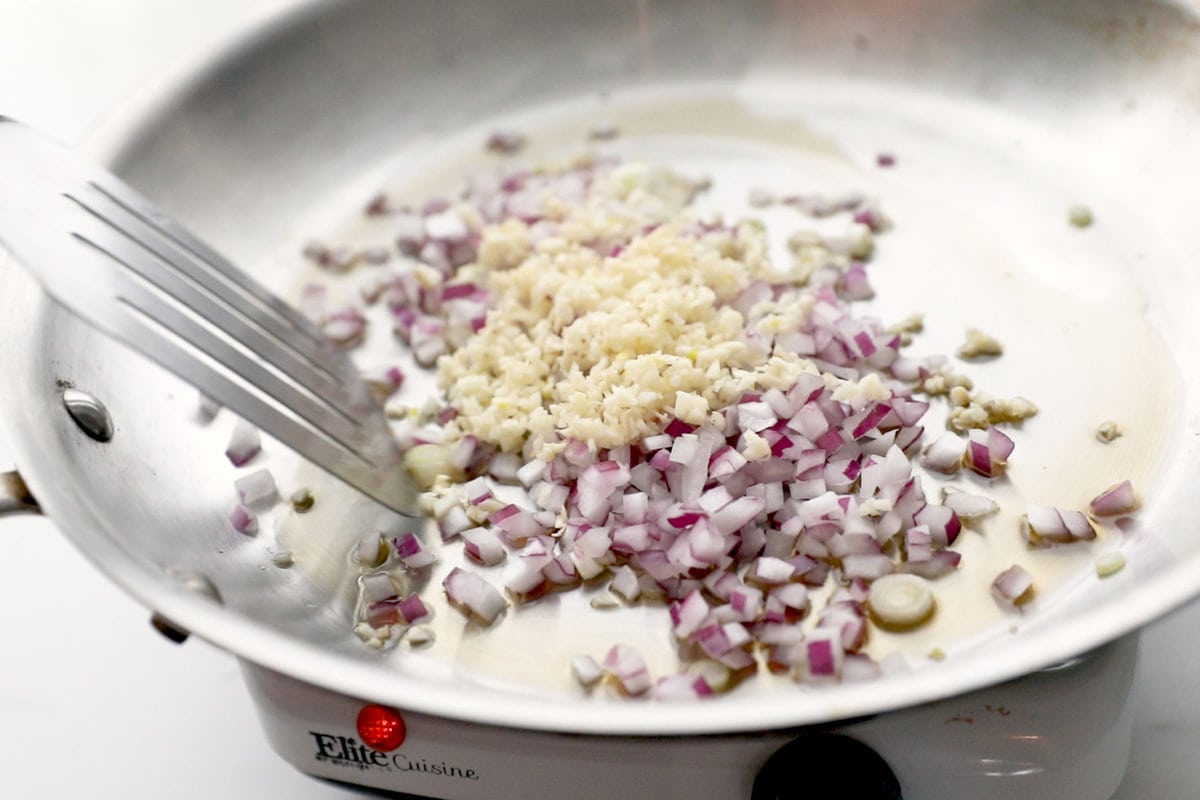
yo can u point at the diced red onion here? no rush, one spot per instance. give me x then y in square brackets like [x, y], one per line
[1012, 584]
[626, 665]
[1115, 500]
[483, 546]
[243, 519]
[823, 654]
[411, 551]
[471, 592]
[939, 563]
[689, 614]
[1045, 525]
[244, 443]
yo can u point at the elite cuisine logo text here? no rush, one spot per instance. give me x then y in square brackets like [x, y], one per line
[348, 751]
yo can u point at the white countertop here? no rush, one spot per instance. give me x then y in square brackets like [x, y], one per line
[93, 703]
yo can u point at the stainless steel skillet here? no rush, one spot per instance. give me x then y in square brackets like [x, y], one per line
[280, 115]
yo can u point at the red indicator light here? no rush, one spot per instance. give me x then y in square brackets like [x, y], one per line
[381, 728]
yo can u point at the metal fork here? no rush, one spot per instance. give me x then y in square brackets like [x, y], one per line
[107, 254]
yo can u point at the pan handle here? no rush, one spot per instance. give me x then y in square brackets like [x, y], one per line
[15, 497]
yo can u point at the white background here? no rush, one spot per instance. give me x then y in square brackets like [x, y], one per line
[93, 703]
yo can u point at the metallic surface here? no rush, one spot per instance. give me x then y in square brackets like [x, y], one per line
[1061, 732]
[15, 497]
[1115, 79]
[106, 253]
[89, 413]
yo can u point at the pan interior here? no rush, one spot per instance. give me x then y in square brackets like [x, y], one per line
[1000, 118]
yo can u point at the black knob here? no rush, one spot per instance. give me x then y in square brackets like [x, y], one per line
[825, 765]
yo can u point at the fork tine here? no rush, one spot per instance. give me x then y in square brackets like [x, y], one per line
[161, 269]
[328, 419]
[111, 199]
[109, 257]
[373, 473]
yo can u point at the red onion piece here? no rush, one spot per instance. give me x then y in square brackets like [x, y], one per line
[483, 546]
[1114, 501]
[244, 443]
[689, 614]
[988, 451]
[453, 522]
[942, 522]
[682, 688]
[939, 563]
[346, 328]
[397, 610]
[411, 551]
[517, 524]
[1012, 584]
[823, 655]
[626, 665]
[243, 519]
[384, 382]
[1047, 526]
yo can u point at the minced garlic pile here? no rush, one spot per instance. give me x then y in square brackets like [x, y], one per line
[604, 344]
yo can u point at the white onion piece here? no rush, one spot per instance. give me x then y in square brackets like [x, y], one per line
[472, 593]
[586, 670]
[1115, 500]
[966, 505]
[900, 600]
[447, 226]
[859, 667]
[531, 472]
[453, 522]
[376, 588]
[504, 467]
[257, 488]
[770, 571]
[872, 567]
[207, 408]
[945, 454]
[371, 551]
[625, 583]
